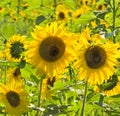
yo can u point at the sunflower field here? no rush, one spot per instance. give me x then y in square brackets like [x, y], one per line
[59, 57]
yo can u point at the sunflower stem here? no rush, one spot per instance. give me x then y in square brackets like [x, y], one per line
[101, 99]
[55, 5]
[18, 7]
[41, 4]
[84, 100]
[114, 15]
[39, 93]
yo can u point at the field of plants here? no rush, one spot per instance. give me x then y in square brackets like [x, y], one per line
[59, 58]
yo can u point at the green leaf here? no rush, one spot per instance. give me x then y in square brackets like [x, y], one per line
[8, 30]
[85, 18]
[39, 19]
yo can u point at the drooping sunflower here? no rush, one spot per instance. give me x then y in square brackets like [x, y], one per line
[52, 49]
[14, 98]
[111, 87]
[13, 74]
[62, 13]
[15, 48]
[97, 59]
[79, 11]
[46, 86]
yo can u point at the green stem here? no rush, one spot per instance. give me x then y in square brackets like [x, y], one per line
[114, 15]
[18, 7]
[39, 93]
[84, 100]
[41, 4]
[101, 100]
[55, 5]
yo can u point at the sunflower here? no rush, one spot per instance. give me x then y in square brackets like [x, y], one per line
[62, 13]
[111, 87]
[78, 12]
[46, 86]
[100, 6]
[2, 9]
[101, 22]
[52, 49]
[13, 73]
[15, 48]
[97, 59]
[14, 97]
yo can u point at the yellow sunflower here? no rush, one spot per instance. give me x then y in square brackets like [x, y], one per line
[13, 73]
[111, 87]
[96, 59]
[15, 48]
[100, 6]
[46, 87]
[102, 22]
[78, 12]
[2, 9]
[14, 97]
[52, 50]
[62, 13]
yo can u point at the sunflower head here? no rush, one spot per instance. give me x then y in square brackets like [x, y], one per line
[96, 59]
[79, 11]
[14, 97]
[52, 48]
[101, 6]
[15, 47]
[62, 13]
[13, 74]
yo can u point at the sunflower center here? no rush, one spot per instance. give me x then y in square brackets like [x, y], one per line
[50, 82]
[100, 7]
[51, 49]
[16, 49]
[13, 98]
[95, 57]
[61, 15]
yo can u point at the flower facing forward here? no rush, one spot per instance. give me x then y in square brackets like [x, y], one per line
[15, 47]
[52, 49]
[14, 97]
[62, 13]
[97, 58]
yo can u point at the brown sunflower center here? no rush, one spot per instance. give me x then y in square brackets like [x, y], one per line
[95, 57]
[52, 49]
[16, 49]
[100, 7]
[13, 98]
[50, 82]
[61, 15]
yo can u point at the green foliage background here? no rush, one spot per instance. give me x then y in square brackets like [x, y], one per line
[68, 94]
